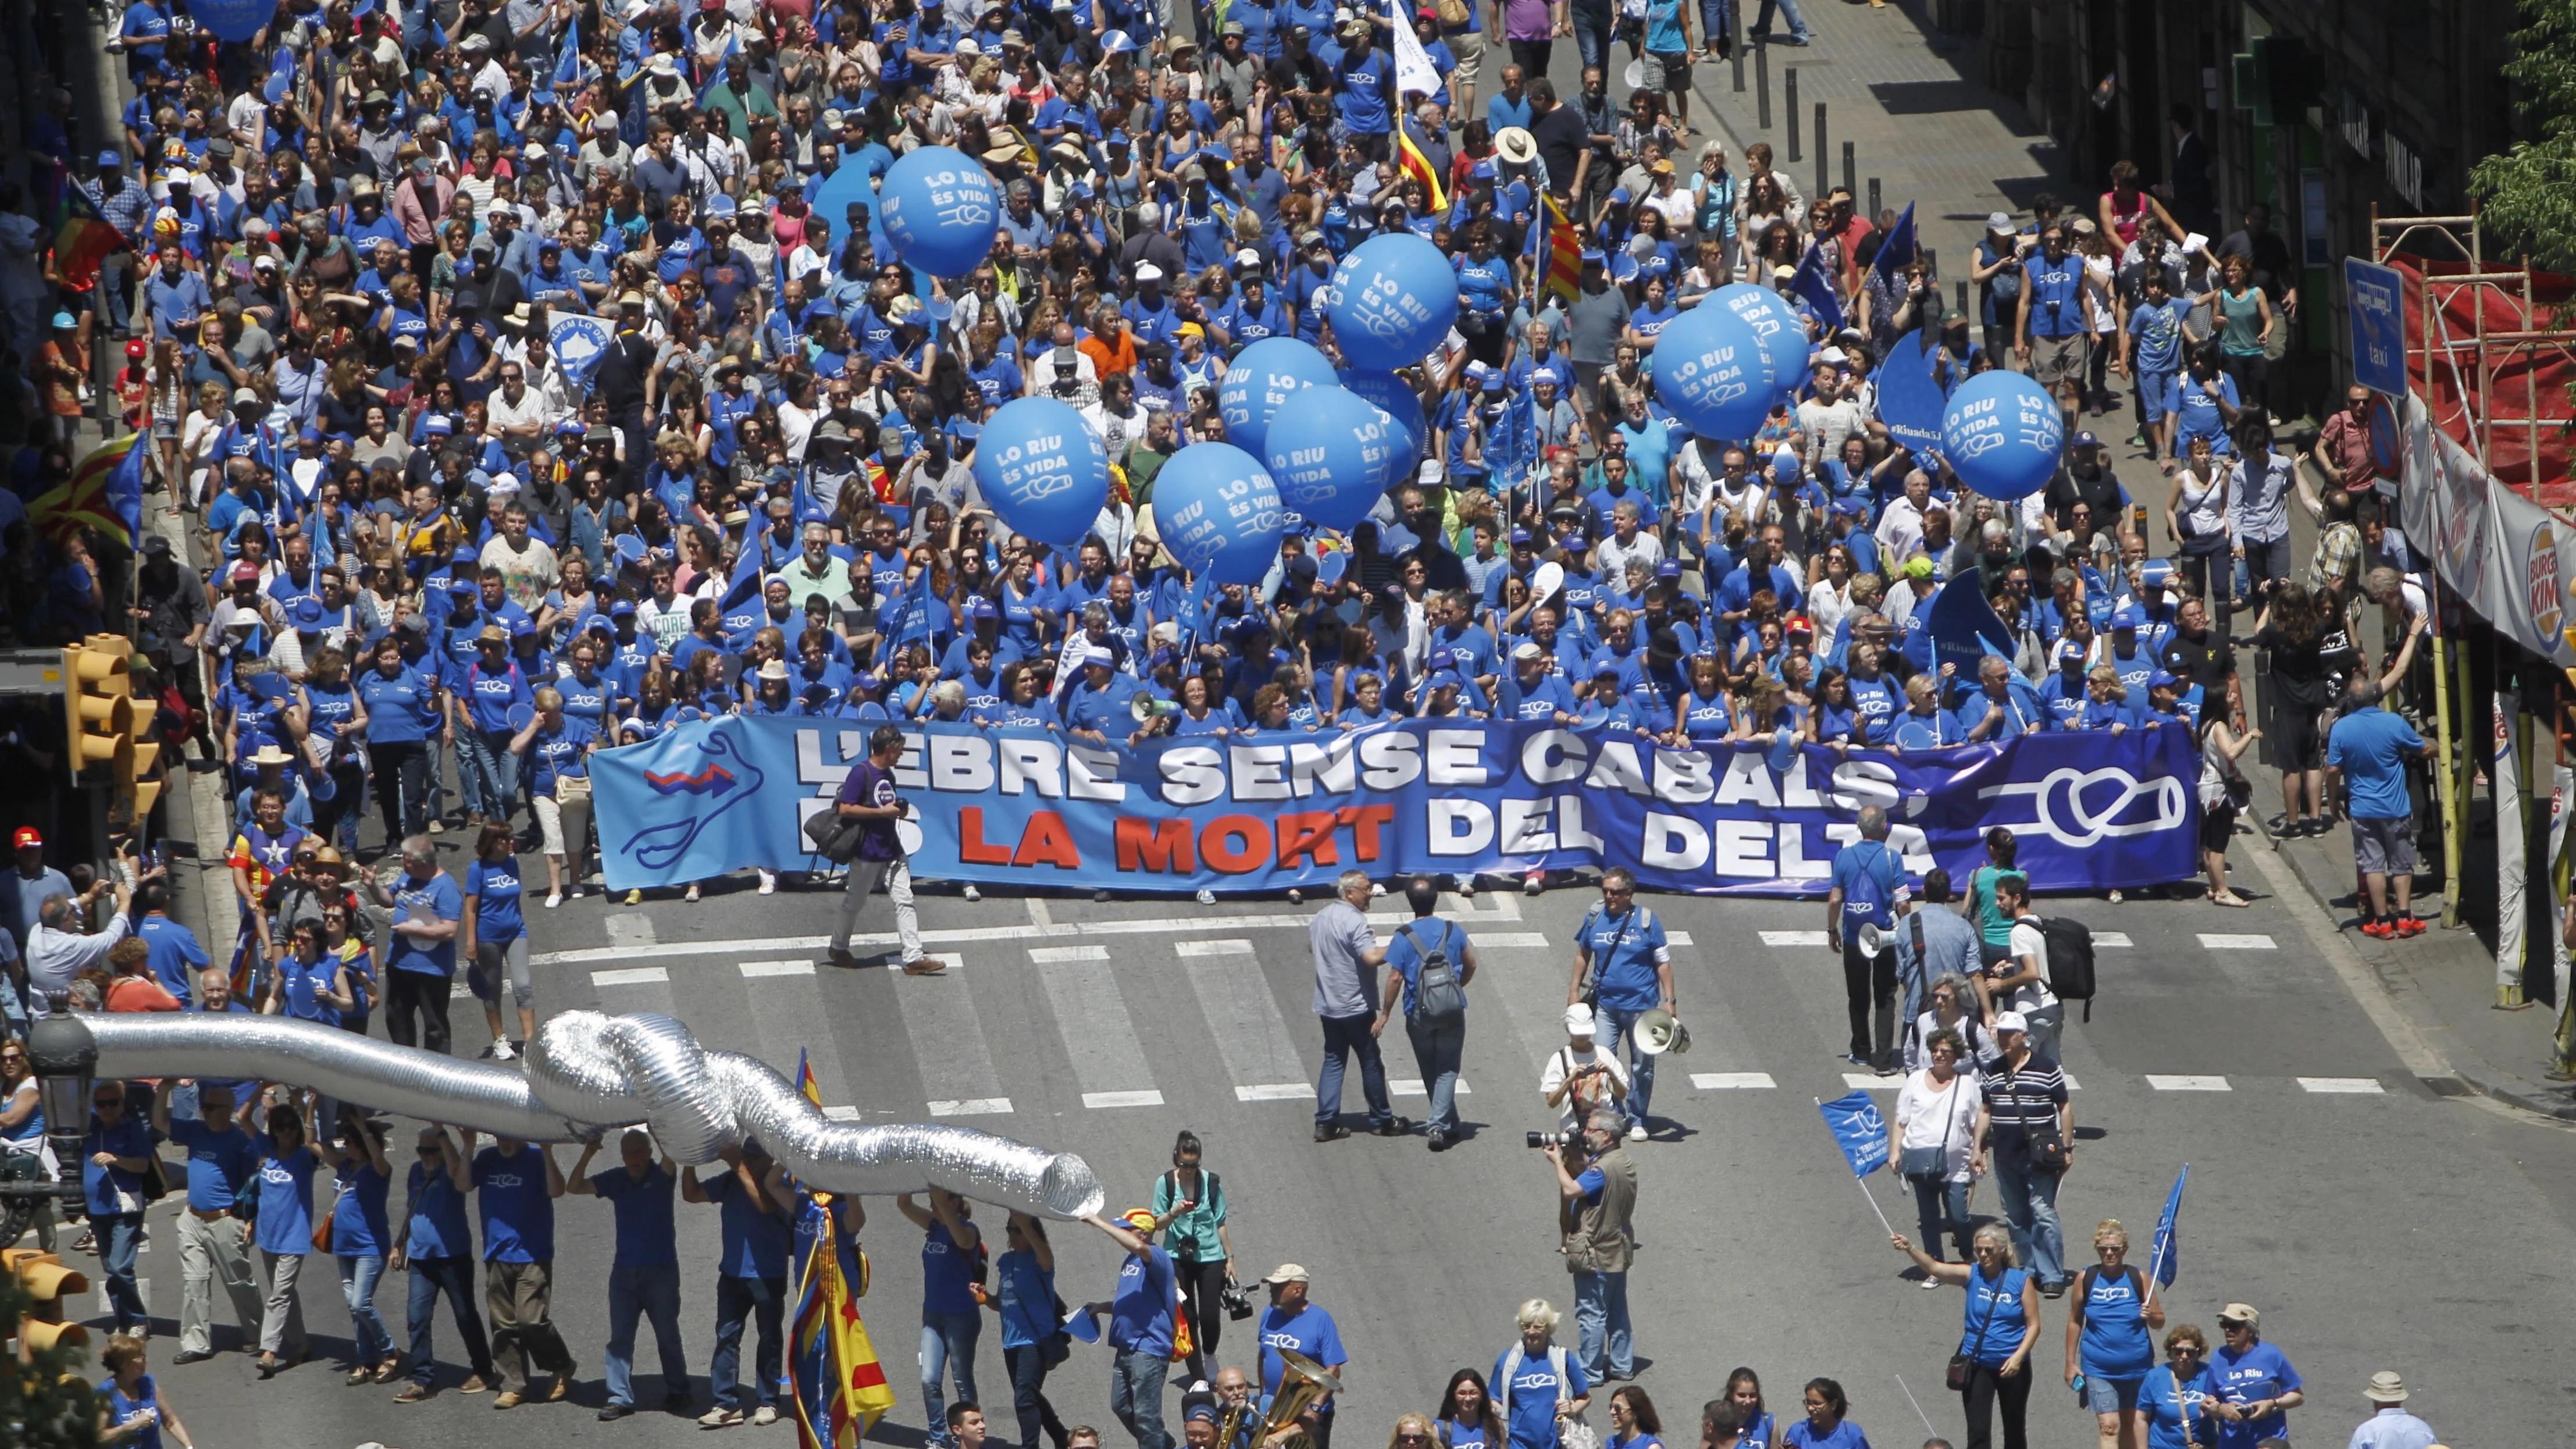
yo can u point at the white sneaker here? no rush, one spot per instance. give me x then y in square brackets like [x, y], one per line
[692, 893]
[765, 1414]
[769, 882]
[501, 1051]
[1206, 897]
[554, 899]
[1466, 885]
[1636, 1131]
[972, 894]
[1534, 882]
[1296, 897]
[1377, 888]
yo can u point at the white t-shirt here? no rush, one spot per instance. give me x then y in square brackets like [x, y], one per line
[1564, 1062]
[2027, 941]
[1929, 1116]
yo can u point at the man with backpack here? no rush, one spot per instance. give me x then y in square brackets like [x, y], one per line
[2021, 982]
[1428, 966]
[1623, 969]
[1868, 883]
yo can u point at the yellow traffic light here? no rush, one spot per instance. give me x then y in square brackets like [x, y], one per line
[98, 706]
[40, 1334]
[42, 1274]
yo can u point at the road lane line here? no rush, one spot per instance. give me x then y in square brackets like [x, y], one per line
[798, 967]
[2188, 1083]
[630, 976]
[1146, 1098]
[1793, 938]
[2224, 941]
[947, 1039]
[1191, 950]
[1733, 1081]
[1099, 1036]
[2342, 1086]
[1251, 1036]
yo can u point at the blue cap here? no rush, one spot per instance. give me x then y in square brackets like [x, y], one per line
[311, 434]
[523, 627]
[630, 547]
[111, 158]
[979, 607]
[1595, 259]
[436, 425]
[720, 205]
[2070, 652]
[1494, 382]
[598, 622]
[1850, 506]
[1441, 659]
[571, 428]
[465, 554]
[1619, 196]
[2163, 679]
[864, 683]
[1519, 537]
[1445, 679]
[1200, 1412]
[2086, 439]
[622, 609]
[462, 587]
[1670, 568]
[965, 432]
[307, 614]
[2155, 573]
[2128, 616]
[1483, 170]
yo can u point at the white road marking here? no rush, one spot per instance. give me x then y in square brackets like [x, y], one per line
[796, 967]
[1509, 940]
[1243, 1018]
[2112, 940]
[2351, 1086]
[969, 1107]
[2222, 941]
[1099, 1037]
[1057, 955]
[982, 935]
[1416, 1087]
[2188, 1083]
[1147, 1098]
[1190, 950]
[842, 1114]
[629, 931]
[1793, 938]
[1679, 938]
[630, 976]
[1872, 1082]
[1733, 1081]
[1280, 1092]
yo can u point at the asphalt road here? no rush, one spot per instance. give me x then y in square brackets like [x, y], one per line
[2376, 1223]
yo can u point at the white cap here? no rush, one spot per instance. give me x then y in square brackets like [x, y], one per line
[1148, 272]
[1578, 1020]
[1529, 650]
[506, 483]
[2012, 1021]
[1099, 656]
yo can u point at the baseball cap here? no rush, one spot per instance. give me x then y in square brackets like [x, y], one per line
[1849, 506]
[308, 615]
[1099, 656]
[1578, 1020]
[1520, 537]
[2156, 573]
[111, 158]
[622, 609]
[979, 607]
[1529, 650]
[2086, 439]
[2000, 223]
[2163, 679]
[2070, 652]
[2128, 616]
[1287, 1273]
[1543, 375]
[27, 837]
[2240, 1313]
[2012, 1021]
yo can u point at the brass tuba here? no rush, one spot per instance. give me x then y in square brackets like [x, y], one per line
[1303, 1383]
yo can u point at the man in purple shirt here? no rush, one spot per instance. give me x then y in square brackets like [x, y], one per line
[868, 796]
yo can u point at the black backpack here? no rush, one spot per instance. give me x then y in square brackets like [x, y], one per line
[1437, 996]
[2070, 960]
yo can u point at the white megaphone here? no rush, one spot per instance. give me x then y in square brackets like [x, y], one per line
[1146, 707]
[1873, 939]
[1659, 1031]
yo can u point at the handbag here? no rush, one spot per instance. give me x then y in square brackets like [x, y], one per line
[322, 1229]
[1917, 1164]
[1454, 13]
[834, 838]
[1963, 1364]
[1572, 1432]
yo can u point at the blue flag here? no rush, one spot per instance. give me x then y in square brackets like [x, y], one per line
[1897, 248]
[568, 56]
[1964, 627]
[908, 617]
[2169, 1231]
[1813, 286]
[1858, 1130]
[125, 489]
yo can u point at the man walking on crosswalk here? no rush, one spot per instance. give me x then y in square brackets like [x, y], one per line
[1428, 966]
[868, 796]
[1347, 956]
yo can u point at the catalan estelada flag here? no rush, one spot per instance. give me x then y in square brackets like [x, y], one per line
[105, 492]
[805, 1082]
[1556, 250]
[83, 241]
[839, 1387]
[1419, 167]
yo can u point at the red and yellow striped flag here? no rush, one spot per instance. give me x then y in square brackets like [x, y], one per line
[1562, 274]
[1419, 167]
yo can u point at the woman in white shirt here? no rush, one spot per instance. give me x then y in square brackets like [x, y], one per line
[1932, 1139]
[1952, 1005]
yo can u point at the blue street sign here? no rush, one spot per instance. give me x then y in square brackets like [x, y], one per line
[2375, 300]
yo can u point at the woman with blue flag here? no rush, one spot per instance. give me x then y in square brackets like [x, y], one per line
[2002, 1324]
[2109, 1349]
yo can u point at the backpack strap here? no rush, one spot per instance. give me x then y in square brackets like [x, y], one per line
[1556, 1363]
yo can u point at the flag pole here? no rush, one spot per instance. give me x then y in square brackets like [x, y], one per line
[1866, 1195]
[1918, 1407]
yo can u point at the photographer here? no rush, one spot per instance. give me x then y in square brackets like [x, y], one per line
[867, 795]
[1596, 1194]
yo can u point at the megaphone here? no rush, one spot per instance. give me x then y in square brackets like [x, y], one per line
[1146, 708]
[1872, 939]
[1659, 1031]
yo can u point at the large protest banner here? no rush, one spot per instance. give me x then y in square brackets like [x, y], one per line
[2092, 811]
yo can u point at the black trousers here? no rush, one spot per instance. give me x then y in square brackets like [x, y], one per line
[1028, 1369]
[1985, 1388]
[1531, 56]
[1870, 980]
[2212, 575]
[416, 1009]
[1199, 1282]
[401, 769]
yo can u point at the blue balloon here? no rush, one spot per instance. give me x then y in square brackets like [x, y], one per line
[233, 19]
[1394, 300]
[1712, 372]
[1044, 472]
[1219, 512]
[1259, 380]
[940, 209]
[1775, 326]
[2003, 435]
[1396, 398]
[1333, 453]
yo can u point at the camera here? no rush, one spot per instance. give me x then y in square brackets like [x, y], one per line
[1552, 1139]
[1238, 1303]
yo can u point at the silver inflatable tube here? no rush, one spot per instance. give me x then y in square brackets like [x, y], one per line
[588, 1072]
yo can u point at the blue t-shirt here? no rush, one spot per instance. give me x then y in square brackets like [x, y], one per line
[436, 1215]
[1994, 1328]
[121, 1407]
[2259, 1372]
[1626, 949]
[220, 1164]
[1028, 1299]
[399, 710]
[1845, 1435]
[2175, 1412]
[358, 1225]
[2115, 1344]
[1868, 873]
[495, 889]
[285, 1199]
[1140, 1312]
[128, 1138]
[434, 899]
[647, 1234]
[1405, 951]
[1534, 1391]
[176, 957]
[2370, 746]
[756, 1239]
[2157, 334]
[1310, 1331]
[947, 1272]
[518, 1214]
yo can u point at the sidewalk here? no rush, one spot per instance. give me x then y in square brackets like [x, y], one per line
[1910, 100]
[2441, 983]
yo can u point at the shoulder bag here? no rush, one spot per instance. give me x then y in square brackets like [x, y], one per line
[1601, 959]
[1571, 1431]
[2044, 1145]
[1931, 1164]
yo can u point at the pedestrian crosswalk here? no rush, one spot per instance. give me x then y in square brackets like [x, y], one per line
[1102, 1016]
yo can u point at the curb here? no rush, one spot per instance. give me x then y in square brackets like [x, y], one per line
[2470, 1072]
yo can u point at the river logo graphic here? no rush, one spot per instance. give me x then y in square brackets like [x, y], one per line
[709, 777]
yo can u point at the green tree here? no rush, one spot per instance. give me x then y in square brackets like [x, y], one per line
[45, 1401]
[2527, 195]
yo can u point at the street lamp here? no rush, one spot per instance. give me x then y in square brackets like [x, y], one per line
[64, 1055]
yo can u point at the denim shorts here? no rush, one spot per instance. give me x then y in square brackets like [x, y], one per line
[2111, 1396]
